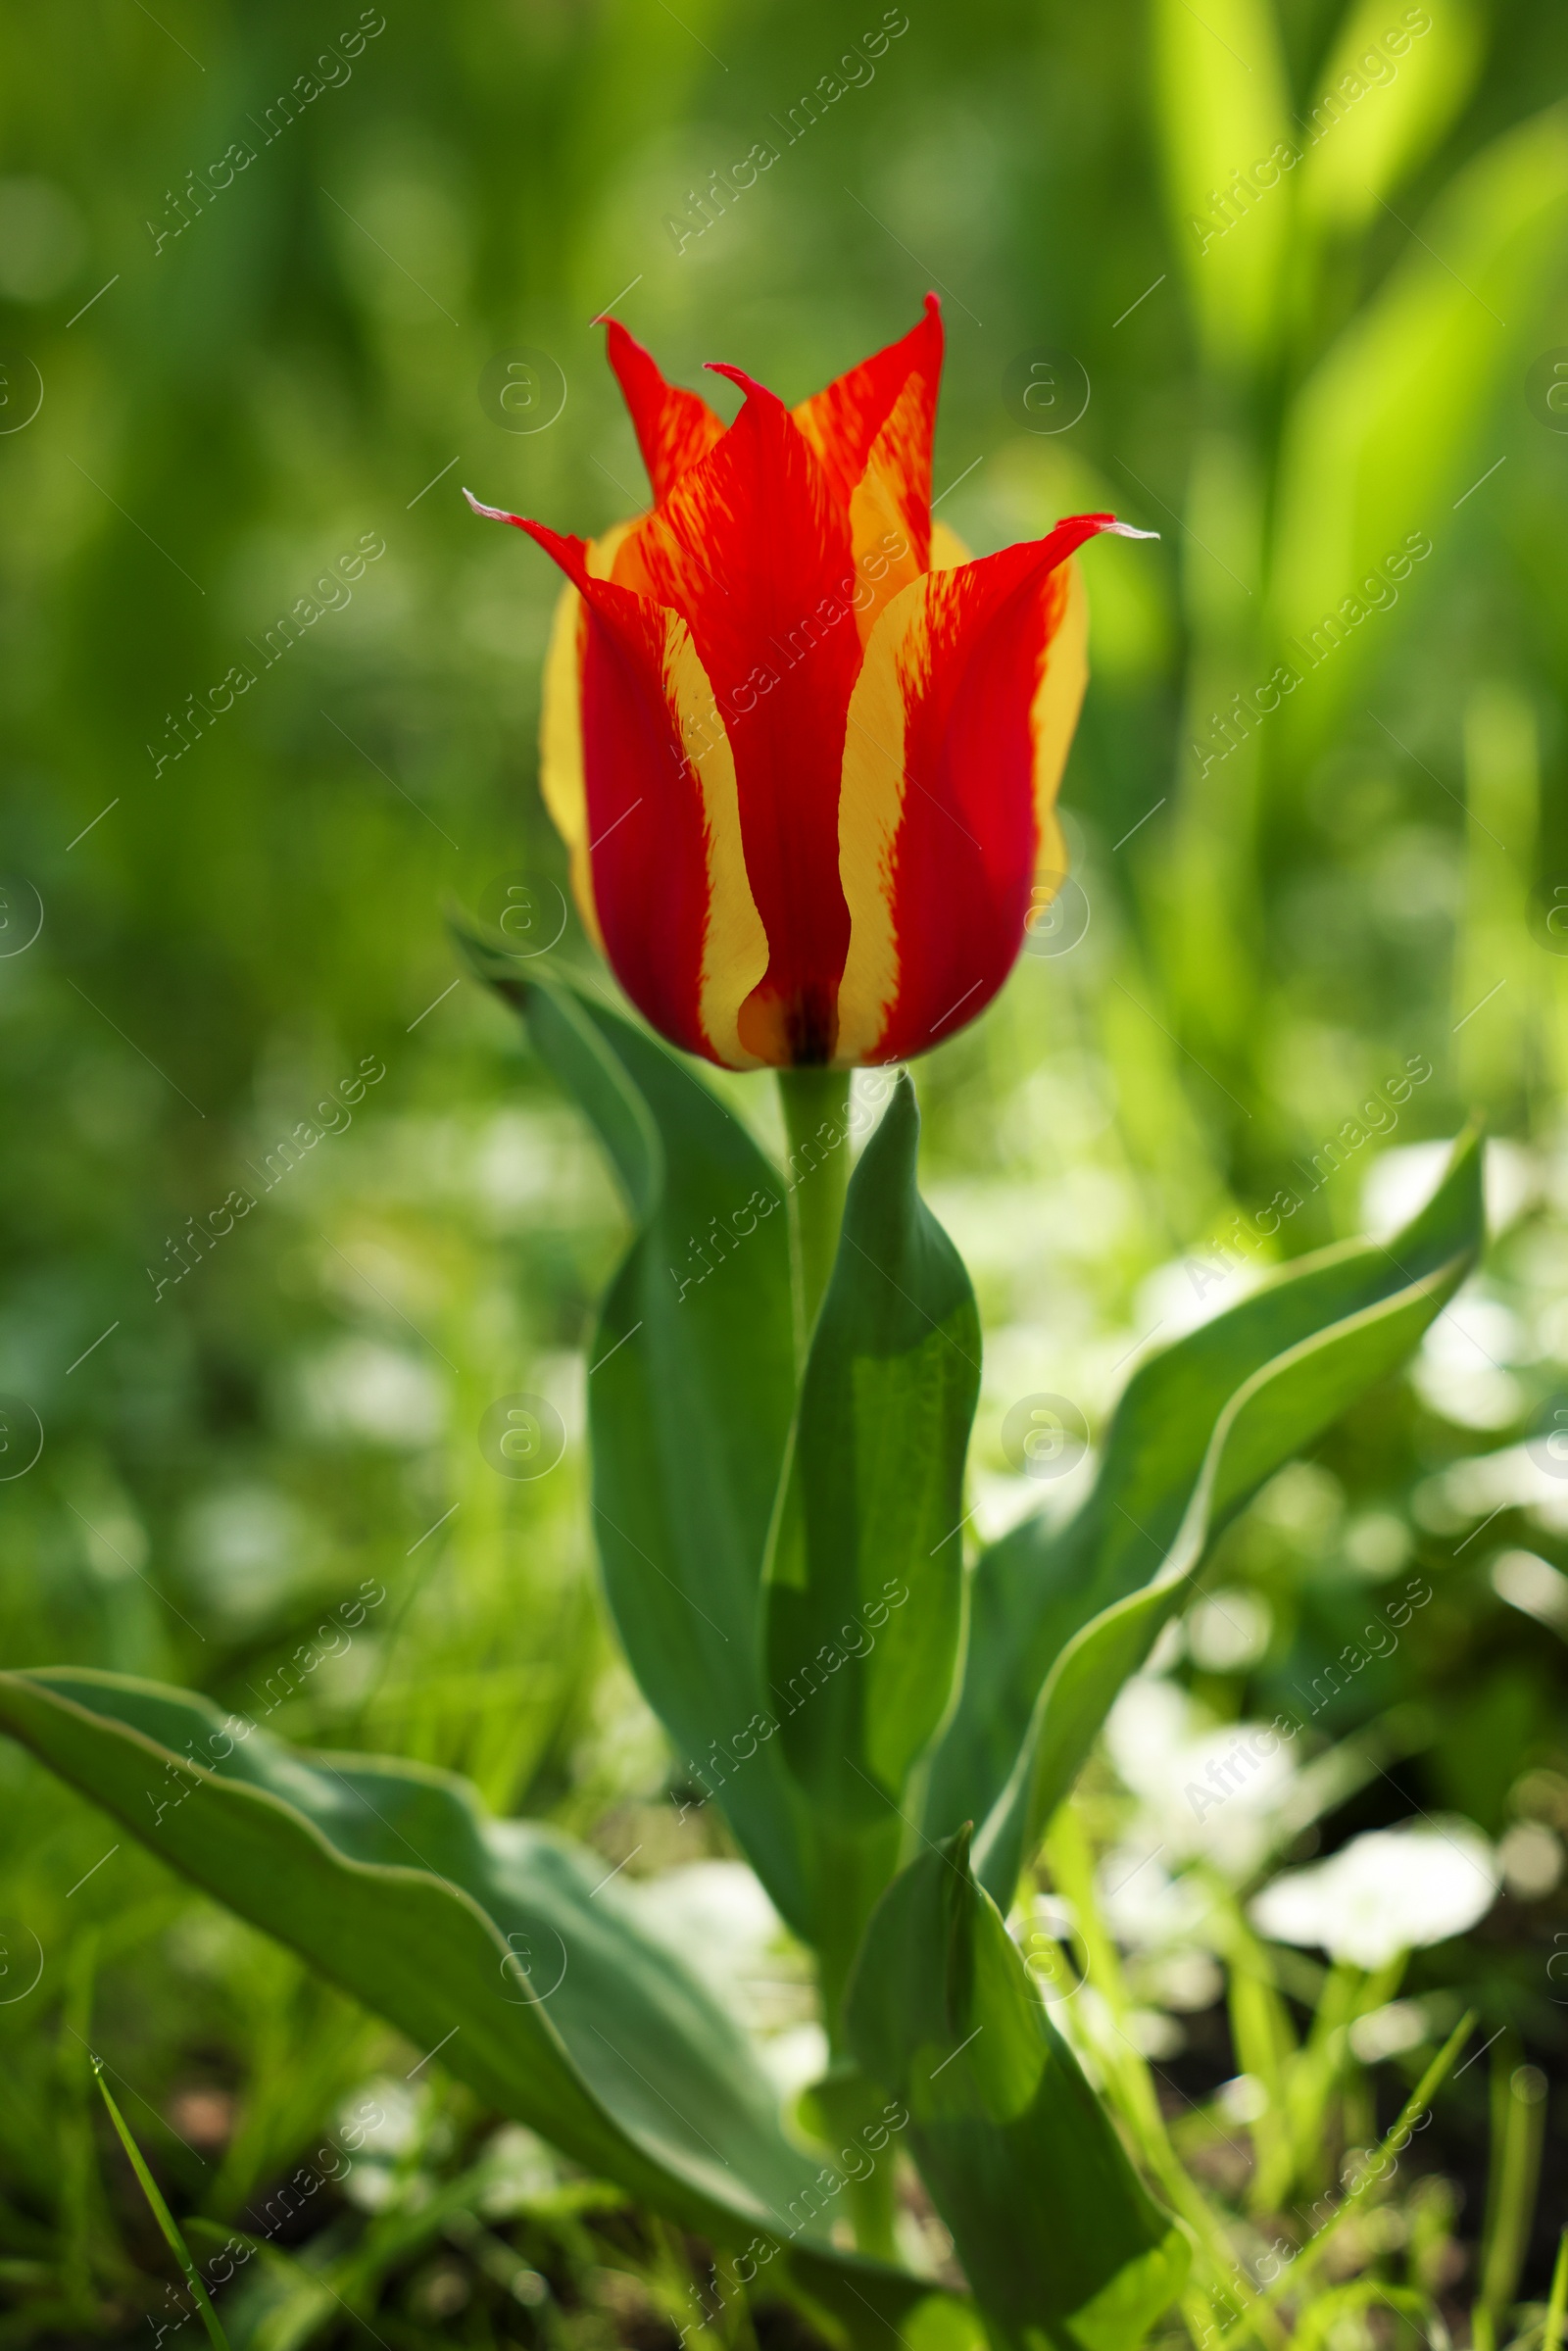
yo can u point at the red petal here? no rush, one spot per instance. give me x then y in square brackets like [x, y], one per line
[753, 551]
[944, 826]
[674, 427]
[646, 824]
[877, 422]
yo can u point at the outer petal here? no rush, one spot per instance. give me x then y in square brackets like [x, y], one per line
[872, 430]
[562, 780]
[665, 876]
[958, 731]
[753, 553]
[674, 427]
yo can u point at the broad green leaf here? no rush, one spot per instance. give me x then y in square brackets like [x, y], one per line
[495, 1941]
[1394, 81]
[1034, 1590]
[1061, 2243]
[691, 1387]
[1386, 436]
[1222, 114]
[1286, 1403]
[866, 1574]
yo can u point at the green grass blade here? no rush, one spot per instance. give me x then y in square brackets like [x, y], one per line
[1416, 2103]
[161, 2213]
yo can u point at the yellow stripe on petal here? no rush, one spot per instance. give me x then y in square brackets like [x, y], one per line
[735, 953]
[916, 628]
[562, 779]
[871, 810]
[948, 550]
[1053, 712]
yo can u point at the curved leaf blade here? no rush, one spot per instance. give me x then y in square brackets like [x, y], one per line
[1034, 1589]
[392, 1881]
[1282, 1407]
[484, 1935]
[691, 1391]
[1062, 2240]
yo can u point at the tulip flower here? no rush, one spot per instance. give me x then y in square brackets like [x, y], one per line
[804, 752]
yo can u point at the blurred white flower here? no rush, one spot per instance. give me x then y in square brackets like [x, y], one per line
[1391, 1891]
[1243, 2098]
[359, 1389]
[1484, 1483]
[1389, 2031]
[1533, 1586]
[1530, 1859]
[1377, 1543]
[247, 1547]
[1209, 1791]
[520, 2169]
[1144, 1907]
[1461, 1369]
[1229, 1629]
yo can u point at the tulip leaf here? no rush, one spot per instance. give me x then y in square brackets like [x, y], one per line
[1062, 2240]
[865, 1573]
[691, 1387]
[1161, 1487]
[495, 1941]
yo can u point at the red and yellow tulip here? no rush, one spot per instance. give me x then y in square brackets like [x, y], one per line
[804, 752]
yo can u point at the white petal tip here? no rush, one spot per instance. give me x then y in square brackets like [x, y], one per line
[491, 513]
[1125, 531]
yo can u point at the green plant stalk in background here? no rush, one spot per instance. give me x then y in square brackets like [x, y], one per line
[1558, 2302]
[1518, 2130]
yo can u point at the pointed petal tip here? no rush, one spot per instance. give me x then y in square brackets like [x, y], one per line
[739, 377]
[491, 513]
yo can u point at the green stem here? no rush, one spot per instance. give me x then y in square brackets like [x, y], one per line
[816, 1135]
[1518, 2126]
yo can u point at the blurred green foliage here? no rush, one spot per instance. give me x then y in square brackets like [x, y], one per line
[1291, 378]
